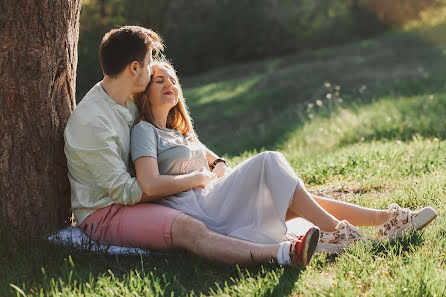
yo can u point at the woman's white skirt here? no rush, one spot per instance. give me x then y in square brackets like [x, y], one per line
[248, 203]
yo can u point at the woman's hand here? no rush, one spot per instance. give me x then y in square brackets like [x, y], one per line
[221, 169]
[203, 177]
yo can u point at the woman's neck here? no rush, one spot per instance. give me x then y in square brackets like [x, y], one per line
[159, 117]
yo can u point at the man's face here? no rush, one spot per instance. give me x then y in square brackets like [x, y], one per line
[143, 79]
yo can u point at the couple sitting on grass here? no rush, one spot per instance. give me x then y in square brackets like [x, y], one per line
[184, 196]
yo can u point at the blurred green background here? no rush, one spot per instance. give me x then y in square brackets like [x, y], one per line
[201, 35]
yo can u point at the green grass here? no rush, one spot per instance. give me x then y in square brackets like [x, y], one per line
[364, 123]
[260, 104]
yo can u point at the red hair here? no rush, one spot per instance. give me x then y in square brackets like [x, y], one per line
[178, 118]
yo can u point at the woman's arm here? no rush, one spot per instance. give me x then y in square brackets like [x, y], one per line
[211, 156]
[221, 168]
[156, 186]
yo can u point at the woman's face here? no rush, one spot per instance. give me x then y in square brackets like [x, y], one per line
[164, 88]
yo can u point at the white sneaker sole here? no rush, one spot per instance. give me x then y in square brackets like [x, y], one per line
[424, 217]
[331, 248]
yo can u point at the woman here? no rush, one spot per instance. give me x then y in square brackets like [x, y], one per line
[250, 201]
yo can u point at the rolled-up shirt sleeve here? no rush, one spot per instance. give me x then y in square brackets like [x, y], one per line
[94, 159]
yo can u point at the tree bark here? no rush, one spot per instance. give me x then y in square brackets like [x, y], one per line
[38, 60]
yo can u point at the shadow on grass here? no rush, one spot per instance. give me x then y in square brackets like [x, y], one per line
[35, 264]
[286, 281]
[404, 246]
[262, 115]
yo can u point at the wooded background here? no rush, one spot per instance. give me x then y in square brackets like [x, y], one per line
[205, 34]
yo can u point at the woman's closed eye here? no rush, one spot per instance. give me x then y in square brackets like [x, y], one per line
[161, 81]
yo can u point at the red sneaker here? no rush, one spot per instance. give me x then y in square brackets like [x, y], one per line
[302, 247]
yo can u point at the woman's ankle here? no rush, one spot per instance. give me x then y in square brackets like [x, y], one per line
[329, 227]
[381, 217]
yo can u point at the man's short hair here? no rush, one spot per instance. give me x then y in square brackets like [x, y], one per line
[122, 46]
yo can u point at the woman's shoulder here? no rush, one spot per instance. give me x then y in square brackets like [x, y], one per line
[143, 125]
[144, 129]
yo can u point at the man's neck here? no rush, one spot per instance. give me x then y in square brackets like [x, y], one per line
[116, 89]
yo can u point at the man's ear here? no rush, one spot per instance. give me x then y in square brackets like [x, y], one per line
[134, 68]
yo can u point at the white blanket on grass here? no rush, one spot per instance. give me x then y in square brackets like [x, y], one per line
[73, 236]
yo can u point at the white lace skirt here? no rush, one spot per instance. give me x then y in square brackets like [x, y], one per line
[249, 203]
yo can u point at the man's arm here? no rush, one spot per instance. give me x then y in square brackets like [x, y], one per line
[93, 158]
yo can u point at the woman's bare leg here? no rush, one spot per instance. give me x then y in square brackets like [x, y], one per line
[290, 214]
[303, 205]
[355, 214]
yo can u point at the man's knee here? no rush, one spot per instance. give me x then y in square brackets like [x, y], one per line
[186, 230]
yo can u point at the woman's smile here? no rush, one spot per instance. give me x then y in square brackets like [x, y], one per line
[169, 92]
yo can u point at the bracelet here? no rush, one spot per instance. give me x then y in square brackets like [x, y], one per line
[218, 161]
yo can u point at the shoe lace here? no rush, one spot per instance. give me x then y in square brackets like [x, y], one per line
[401, 212]
[349, 230]
[291, 236]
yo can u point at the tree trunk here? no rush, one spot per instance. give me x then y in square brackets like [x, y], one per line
[38, 60]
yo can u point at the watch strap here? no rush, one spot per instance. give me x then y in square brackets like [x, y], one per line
[218, 160]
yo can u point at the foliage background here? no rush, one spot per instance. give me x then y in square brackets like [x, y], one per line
[204, 34]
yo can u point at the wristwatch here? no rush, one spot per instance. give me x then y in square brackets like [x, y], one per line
[218, 161]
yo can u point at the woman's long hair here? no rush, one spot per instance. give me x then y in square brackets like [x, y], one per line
[178, 118]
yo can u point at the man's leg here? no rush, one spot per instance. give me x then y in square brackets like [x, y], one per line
[192, 235]
[158, 227]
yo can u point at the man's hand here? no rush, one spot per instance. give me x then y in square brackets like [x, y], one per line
[221, 169]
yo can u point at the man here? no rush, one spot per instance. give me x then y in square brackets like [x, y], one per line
[107, 201]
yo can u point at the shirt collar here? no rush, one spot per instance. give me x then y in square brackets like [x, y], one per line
[129, 113]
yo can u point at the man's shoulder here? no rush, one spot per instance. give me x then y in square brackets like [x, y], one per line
[89, 123]
[92, 100]
[91, 109]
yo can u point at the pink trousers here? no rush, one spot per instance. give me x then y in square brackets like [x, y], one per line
[144, 225]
